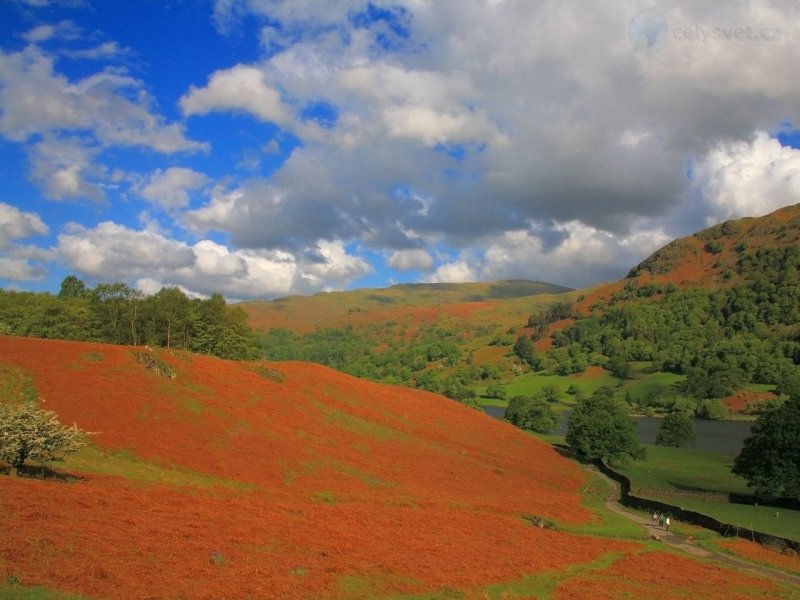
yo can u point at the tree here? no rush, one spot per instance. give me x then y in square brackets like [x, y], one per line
[496, 390]
[30, 433]
[534, 414]
[712, 409]
[523, 348]
[72, 287]
[676, 430]
[600, 428]
[770, 457]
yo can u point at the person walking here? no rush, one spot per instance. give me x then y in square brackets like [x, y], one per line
[666, 523]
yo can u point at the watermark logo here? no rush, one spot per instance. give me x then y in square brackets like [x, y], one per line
[648, 32]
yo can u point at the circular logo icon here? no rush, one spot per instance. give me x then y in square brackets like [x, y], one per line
[647, 32]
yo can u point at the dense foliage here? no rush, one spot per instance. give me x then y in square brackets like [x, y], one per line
[532, 413]
[118, 314]
[430, 357]
[770, 458]
[600, 428]
[30, 433]
[676, 429]
[720, 340]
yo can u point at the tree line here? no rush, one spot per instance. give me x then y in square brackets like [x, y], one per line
[118, 314]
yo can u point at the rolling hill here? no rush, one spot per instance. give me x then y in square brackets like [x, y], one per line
[711, 258]
[731, 288]
[408, 304]
[209, 478]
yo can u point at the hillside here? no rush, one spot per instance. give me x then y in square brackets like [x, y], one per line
[407, 304]
[712, 316]
[710, 258]
[719, 310]
[254, 480]
[437, 337]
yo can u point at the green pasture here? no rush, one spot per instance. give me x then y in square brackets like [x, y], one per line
[675, 470]
[701, 481]
[529, 384]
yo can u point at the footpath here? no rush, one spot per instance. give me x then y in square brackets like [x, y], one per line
[683, 543]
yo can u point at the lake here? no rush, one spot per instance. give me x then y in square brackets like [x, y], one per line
[712, 436]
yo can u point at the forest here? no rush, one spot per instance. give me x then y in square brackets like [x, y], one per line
[117, 314]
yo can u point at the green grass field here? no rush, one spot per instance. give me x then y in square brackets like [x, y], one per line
[700, 481]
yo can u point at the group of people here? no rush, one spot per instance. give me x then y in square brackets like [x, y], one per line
[661, 520]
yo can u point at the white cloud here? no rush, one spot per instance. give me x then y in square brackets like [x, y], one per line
[531, 139]
[406, 260]
[171, 188]
[19, 262]
[748, 178]
[112, 252]
[15, 225]
[105, 50]
[20, 269]
[459, 271]
[66, 169]
[572, 254]
[241, 88]
[62, 30]
[36, 100]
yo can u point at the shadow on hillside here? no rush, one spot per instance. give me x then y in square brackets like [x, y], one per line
[41, 472]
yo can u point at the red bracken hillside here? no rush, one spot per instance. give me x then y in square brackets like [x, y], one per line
[707, 259]
[246, 480]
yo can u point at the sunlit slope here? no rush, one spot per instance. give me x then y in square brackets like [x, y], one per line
[320, 472]
[507, 302]
[254, 480]
[712, 257]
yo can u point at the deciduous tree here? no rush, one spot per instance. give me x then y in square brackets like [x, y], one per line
[770, 457]
[600, 428]
[676, 430]
[30, 433]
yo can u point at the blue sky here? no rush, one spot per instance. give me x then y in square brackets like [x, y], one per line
[260, 148]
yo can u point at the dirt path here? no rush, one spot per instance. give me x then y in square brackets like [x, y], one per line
[685, 544]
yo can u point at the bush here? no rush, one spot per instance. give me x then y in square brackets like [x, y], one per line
[30, 433]
[600, 428]
[534, 414]
[676, 430]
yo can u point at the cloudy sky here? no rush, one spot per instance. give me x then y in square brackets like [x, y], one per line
[260, 148]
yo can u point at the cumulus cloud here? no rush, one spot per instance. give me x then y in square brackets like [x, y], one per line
[459, 271]
[748, 177]
[406, 260]
[566, 101]
[16, 224]
[544, 140]
[37, 100]
[171, 188]
[66, 169]
[19, 262]
[112, 252]
[570, 254]
[241, 88]
[20, 269]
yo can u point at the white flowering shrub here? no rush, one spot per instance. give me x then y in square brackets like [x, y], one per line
[28, 432]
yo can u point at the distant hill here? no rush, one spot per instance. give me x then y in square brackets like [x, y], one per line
[403, 302]
[729, 291]
[437, 337]
[248, 480]
[718, 256]
[720, 309]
